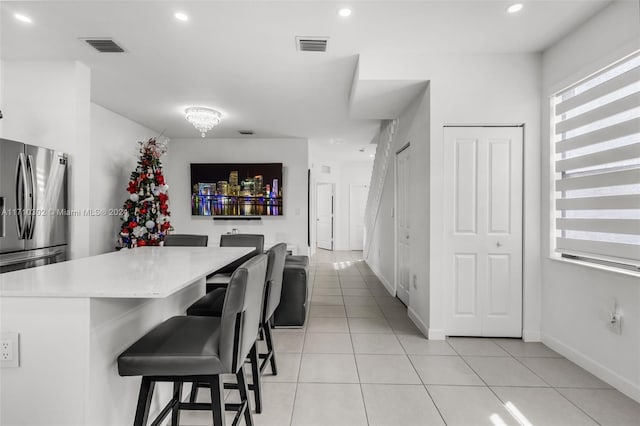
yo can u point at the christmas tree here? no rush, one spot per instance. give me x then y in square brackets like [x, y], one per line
[145, 221]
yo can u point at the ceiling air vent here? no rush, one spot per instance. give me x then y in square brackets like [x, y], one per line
[104, 45]
[246, 132]
[312, 44]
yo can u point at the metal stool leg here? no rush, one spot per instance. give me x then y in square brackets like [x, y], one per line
[255, 376]
[177, 395]
[217, 401]
[144, 401]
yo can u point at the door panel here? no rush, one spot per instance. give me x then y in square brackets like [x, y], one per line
[499, 186]
[465, 300]
[403, 226]
[466, 186]
[9, 239]
[499, 288]
[324, 219]
[483, 230]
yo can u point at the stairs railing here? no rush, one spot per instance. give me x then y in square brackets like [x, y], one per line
[386, 137]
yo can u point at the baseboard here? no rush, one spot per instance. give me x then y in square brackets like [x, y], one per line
[436, 334]
[632, 390]
[390, 288]
[531, 336]
[417, 321]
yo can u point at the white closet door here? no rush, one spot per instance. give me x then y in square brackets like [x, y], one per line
[483, 230]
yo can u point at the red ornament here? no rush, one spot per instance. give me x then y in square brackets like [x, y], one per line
[143, 211]
[159, 179]
[133, 224]
[132, 188]
[142, 243]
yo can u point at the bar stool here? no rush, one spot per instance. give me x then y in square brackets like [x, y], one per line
[200, 349]
[212, 303]
[186, 240]
[220, 278]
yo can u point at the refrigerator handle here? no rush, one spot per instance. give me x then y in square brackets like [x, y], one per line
[21, 182]
[31, 196]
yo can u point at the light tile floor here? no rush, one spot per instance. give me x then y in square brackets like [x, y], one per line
[360, 361]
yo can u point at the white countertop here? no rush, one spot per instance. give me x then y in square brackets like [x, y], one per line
[144, 272]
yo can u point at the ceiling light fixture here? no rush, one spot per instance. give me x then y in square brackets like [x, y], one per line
[22, 18]
[203, 119]
[517, 7]
[181, 16]
[345, 12]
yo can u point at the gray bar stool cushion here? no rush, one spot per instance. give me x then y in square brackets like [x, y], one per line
[180, 346]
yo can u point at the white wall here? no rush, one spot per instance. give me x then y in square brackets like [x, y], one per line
[464, 89]
[293, 153]
[47, 104]
[575, 297]
[342, 175]
[114, 155]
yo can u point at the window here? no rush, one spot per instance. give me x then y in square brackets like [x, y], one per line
[596, 136]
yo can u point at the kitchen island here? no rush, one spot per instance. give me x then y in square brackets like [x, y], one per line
[74, 318]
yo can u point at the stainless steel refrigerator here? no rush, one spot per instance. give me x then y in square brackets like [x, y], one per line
[33, 203]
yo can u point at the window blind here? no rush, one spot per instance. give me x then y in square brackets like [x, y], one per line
[596, 136]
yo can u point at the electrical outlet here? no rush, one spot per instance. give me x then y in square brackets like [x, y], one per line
[615, 322]
[9, 350]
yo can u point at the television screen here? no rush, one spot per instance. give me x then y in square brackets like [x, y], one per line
[225, 189]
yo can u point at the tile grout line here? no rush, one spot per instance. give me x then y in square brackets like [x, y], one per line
[355, 360]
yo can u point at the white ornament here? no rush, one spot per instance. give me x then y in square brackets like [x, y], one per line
[150, 224]
[139, 231]
[134, 198]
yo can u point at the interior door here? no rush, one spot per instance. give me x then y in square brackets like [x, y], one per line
[357, 205]
[324, 217]
[403, 229]
[483, 230]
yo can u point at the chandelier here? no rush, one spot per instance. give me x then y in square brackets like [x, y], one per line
[203, 119]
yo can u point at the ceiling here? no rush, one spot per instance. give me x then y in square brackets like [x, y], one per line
[240, 57]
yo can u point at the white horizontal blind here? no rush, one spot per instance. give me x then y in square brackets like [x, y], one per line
[596, 134]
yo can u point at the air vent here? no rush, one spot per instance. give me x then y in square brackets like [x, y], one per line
[104, 45]
[246, 132]
[312, 44]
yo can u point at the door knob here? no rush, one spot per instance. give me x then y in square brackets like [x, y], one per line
[498, 244]
[407, 237]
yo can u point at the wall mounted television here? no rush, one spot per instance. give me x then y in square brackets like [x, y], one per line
[236, 190]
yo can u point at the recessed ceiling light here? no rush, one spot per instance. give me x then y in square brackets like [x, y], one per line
[515, 8]
[181, 16]
[344, 12]
[22, 18]
[372, 156]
